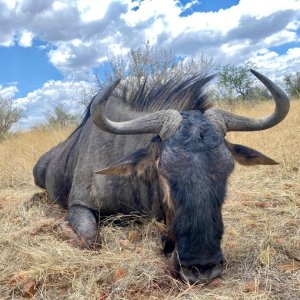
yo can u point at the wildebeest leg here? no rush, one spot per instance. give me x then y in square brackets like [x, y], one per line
[83, 230]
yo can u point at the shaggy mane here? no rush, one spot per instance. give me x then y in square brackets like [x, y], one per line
[179, 94]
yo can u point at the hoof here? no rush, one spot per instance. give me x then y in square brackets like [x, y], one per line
[67, 233]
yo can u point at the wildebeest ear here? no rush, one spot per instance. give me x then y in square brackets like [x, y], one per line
[124, 169]
[247, 156]
[135, 162]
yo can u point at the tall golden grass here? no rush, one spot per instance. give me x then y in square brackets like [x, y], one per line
[261, 242]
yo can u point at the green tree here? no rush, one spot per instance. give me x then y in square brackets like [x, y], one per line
[237, 79]
[9, 115]
[292, 84]
[60, 117]
[260, 92]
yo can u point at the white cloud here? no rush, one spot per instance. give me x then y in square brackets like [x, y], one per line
[190, 4]
[280, 38]
[40, 102]
[26, 39]
[268, 61]
[294, 25]
[9, 91]
[81, 31]
[231, 49]
[92, 10]
[60, 55]
[59, 5]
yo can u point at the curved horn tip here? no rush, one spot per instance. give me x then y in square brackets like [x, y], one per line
[257, 74]
[109, 89]
[116, 82]
[260, 76]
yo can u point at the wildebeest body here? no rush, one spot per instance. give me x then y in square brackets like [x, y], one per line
[74, 162]
[170, 146]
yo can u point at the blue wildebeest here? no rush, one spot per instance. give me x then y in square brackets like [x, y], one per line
[168, 143]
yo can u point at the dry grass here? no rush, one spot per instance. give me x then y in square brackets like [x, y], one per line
[261, 241]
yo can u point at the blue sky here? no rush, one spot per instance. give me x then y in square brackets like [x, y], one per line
[29, 67]
[50, 49]
[207, 6]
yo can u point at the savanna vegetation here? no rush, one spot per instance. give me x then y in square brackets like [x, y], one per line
[261, 213]
[261, 242]
[9, 115]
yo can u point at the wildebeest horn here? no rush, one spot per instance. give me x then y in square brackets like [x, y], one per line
[227, 121]
[164, 122]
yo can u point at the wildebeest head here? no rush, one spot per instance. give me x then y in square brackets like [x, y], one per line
[193, 162]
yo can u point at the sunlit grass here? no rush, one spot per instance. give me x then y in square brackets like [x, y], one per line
[261, 241]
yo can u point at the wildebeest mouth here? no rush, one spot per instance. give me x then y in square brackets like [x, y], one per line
[201, 274]
[196, 271]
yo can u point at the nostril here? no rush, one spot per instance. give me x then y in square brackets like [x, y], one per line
[195, 271]
[203, 268]
[201, 273]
